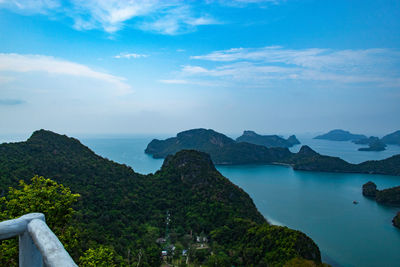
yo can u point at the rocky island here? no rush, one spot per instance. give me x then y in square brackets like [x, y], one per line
[127, 211]
[267, 140]
[389, 196]
[226, 151]
[340, 135]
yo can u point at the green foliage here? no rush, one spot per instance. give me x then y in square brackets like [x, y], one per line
[252, 244]
[99, 257]
[45, 196]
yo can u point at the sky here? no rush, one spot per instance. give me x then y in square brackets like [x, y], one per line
[151, 67]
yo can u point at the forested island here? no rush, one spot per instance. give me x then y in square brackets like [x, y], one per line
[226, 151]
[102, 209]
[267, 140]
[340, 135]
[389, 196]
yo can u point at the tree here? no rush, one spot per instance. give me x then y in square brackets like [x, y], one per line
[100, 256]
[45, 196]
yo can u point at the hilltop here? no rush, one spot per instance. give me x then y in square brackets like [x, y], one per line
[128, 211]
[267, 140]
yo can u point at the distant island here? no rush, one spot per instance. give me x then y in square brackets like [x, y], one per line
[374, 144]
[187, 205]
[226, 151]
[340, 135]
[267, 140]
[392, 139]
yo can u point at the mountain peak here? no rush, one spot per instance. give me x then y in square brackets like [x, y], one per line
[192, 166]
[307, 151]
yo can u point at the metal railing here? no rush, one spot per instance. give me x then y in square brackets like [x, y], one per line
[38, 245]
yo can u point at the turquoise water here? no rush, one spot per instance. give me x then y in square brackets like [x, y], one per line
[320, 205]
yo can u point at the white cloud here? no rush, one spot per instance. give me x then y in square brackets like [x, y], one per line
[164, 17]
[47, 64]
[257, 65]
[130, 55]
[176, 20]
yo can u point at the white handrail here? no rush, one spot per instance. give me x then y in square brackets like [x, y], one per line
[37, 243]
[50, 247]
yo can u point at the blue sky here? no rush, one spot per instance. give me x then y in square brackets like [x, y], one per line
[273, 66]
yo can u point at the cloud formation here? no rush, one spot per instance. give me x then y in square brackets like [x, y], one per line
[163, 17]
[258, 65]
[47, 64]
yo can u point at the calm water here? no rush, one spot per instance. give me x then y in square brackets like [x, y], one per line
[319, 204]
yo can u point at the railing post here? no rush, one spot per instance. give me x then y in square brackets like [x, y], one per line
[29, 255]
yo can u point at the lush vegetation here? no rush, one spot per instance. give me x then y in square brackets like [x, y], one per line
[120, 214]
[224, 150]
[45, 196]
[267, 140]
[389, 196]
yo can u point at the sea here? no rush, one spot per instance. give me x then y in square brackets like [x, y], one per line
[316, 203]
